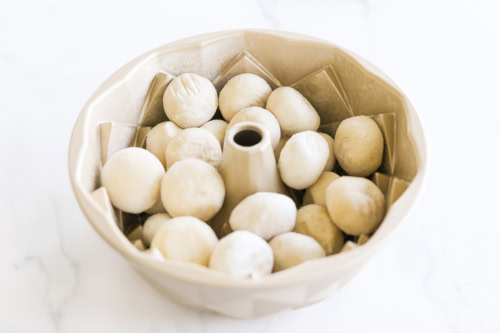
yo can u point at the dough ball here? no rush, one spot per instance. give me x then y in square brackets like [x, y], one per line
[314, 221]
[359, 146]
[316, 194]
[192, 187]
[355, 204]
[291, 249]
[265, 214]
[157, 208]
[241, 92]
[132, 177]
[159, 137]
[152, 225]
[279, 147]
[190, 100]
[331, 155]
[187, 239]
[303, 159]
[261, 116]
[218, 128]
[242, 254]
[293, 111]
[194, 143]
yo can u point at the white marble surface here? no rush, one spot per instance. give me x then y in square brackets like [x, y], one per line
[442, 272]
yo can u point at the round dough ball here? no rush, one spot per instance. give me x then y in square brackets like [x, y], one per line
[242, 254]
[303, 159]
[192, 187]
[194, 143]
[152, 225]
[157, 208]
[355, 204]
[331, 155]
[132, 177]
[261, 116]
[190, 100]
[243, 91]
[218, 128]
[279, 147]
[314, 221]
[291, 249]
[159, 137]
[293, 111]
[316, 193]
[265, 214]
[359, 146]
[187, 239]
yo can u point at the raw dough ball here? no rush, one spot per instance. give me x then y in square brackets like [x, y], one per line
[293, 111]
[218, 128]
[265, 214]
[359, 146]
[241, 92]
[356, 205]
[261, 116]
[157, 208]
[303, 159]
[190, 100]
[291, 249]
[331, 155]
[152, 225]
[279, 147]
[194, 143]
[192, 187]
[159, 137]
[185, 238]
[132, 177]
[242, 254]
[313, 221]
[316, 194]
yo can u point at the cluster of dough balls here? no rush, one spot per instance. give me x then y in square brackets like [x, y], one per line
[176, 180]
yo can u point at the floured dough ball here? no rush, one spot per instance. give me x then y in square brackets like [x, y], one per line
[303, 159]
[331, 155]
[314, 221]
[293, 111]
[190, 100]
[192, 187]
[316, 194]
[152, 225]
[159, 137]
[194, 143]
[218, 128]
[243, 91]
[242, 254]
[279, 147]
[355, 204]
[187, 239]
[291, 249]
[265, 214]
[157, 208]
[261, 116]
[132, 177]
[359, 146]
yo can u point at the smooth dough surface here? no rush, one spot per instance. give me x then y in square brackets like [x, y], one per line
[243, 91]
[218, 128]
[265, 214]
[359, 146]
[314, 221]
[159, 137]
[152, 225]
[157, 208]
[291, 249]
[279, 147]
[303, 159]
[190, 100]
[132, 177]
[293, 111]
[192, 187]
[194, 143]
[355, 204]
[242, 254]
[186, 239]
[331, 155]
[260, 116]
[316, 193]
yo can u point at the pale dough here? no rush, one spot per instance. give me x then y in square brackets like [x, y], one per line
[279, 147]
[291, 249]
[218, 128]
[159, 137]
[157, 208]
[316, 193]
[331, 155]
[152, 225]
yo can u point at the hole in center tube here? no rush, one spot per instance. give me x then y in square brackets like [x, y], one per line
[247, 138]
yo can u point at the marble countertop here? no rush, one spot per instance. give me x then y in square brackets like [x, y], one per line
[440, 274]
